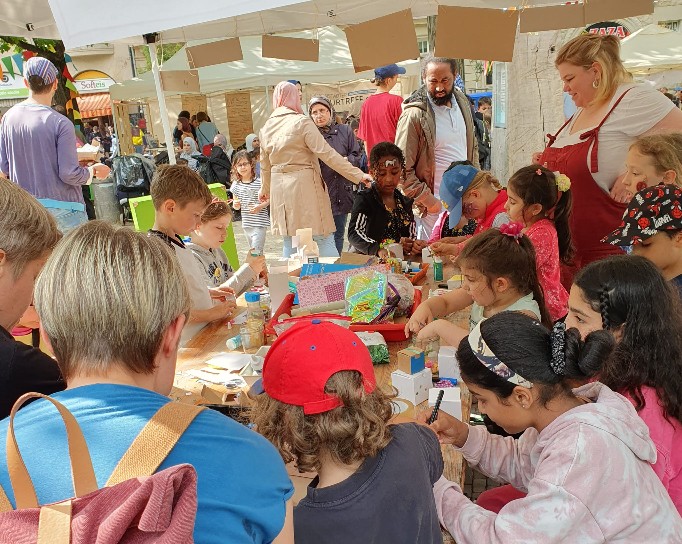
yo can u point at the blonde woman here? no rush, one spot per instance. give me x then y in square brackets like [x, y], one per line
[591, 147]
[291, 148]
[113, 303]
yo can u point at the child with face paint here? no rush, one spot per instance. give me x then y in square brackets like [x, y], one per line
[382, 212]
[584, 455]
[652, 160]
[474, 194]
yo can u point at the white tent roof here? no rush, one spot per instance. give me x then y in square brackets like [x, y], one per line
[253, 71]
[652, 49]
[81, 23]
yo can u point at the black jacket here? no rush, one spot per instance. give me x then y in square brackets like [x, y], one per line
[342, 139]
[24, 369]
[369, 218]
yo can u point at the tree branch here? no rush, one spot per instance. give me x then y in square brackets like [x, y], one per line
[26, 46]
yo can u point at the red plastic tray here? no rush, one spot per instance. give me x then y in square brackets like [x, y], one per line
[392, 332]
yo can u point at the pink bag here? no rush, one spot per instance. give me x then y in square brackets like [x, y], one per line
[135, 506]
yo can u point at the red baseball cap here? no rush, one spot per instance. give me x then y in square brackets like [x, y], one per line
[301, 361]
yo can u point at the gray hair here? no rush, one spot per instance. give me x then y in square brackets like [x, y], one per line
[220, 140]
[27, 229]
[106, 297]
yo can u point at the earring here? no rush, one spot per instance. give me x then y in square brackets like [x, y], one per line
[595, 84]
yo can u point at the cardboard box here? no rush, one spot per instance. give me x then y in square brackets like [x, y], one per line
[411, 360]
[455, 282]
[412, 387]
[448, 367]
[451, 403]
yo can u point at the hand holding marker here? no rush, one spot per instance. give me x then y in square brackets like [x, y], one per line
[434, 414]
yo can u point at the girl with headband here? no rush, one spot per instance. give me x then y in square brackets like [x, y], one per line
[584, 454]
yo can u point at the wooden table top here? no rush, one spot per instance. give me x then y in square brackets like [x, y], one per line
[210, 341]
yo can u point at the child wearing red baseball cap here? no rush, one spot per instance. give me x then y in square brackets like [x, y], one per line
[322, 409]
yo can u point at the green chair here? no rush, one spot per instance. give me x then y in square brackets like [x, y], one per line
[142, 210]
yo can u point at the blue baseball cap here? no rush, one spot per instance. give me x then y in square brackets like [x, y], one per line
[391, 70]
[456, 180]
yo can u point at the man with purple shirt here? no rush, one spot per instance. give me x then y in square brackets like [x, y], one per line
[38, 149]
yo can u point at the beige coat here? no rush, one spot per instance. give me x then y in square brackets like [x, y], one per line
[290, 146]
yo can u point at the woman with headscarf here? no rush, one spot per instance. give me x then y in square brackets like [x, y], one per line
[291, 148]
[342, 139]
[190, 152]
[253, 147]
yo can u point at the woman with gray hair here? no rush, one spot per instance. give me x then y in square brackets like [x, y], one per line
[344, 142]
[113, 303]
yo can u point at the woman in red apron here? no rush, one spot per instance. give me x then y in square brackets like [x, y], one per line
[598, 83]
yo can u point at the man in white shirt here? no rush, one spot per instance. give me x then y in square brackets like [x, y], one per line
[435, 129]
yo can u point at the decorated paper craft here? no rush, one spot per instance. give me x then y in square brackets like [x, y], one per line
[317, 290]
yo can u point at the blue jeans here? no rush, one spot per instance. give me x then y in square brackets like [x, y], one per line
[325, 244]
[340, 222]
[256, 237]
[67, 219]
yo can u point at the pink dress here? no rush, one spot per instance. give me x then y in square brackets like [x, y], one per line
[667, 437]
[544, 238]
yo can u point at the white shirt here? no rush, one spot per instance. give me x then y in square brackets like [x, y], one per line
[198, 292]
[637, 113]
[451, 139]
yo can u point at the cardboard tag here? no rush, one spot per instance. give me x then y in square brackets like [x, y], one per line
[208, 54]
[608, 10]
[279, 47]
[184, 81]
[382, 41]
[552, 18]
[458, 33]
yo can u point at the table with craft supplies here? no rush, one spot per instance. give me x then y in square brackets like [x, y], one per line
[194, 387]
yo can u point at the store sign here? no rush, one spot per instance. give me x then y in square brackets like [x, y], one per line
[85, 86]
[608, 28]
[12, 87]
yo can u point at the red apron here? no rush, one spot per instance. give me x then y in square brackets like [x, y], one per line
[595, 213]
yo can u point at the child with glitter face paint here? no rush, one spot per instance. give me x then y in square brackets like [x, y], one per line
[382, 212]
[474, 194]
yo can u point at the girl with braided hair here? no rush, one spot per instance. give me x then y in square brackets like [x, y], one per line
[628, 296]
[583, 458]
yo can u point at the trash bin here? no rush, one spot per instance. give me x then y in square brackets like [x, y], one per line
[107, 207]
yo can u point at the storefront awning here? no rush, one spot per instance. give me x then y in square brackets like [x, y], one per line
[94, 105]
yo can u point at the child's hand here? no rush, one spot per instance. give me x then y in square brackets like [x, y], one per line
[442, 249]
[429, 332]
[407, 244]
[223, 310]
[236, 203]
[383, 253]
[418, 245]
[257, 264]
[222, 292]
[421, 317]
[448, 429]
[263, 197]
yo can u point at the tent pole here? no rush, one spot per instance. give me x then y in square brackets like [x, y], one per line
[162, 102]
[267, 100]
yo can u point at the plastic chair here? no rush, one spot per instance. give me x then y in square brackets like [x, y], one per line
[142, 211]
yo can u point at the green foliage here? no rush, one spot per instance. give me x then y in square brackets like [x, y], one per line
[165, 52]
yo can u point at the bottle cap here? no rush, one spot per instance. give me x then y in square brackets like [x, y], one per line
[252, 296]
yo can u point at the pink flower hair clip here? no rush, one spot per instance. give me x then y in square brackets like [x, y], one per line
[514, 230]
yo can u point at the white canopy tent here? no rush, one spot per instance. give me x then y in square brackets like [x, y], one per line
[652, 49]
[255, 71]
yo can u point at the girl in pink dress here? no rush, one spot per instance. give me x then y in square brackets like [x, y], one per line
[542, 201]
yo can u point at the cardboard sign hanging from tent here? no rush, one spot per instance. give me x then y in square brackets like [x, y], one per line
[279, 47]
[607, 10]
[239, 118]
[182, 81]
[382, 41]
[212, 53]
[459, 33]
[194, 103]
[552, 18]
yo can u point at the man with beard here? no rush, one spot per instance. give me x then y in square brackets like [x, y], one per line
[435, 129]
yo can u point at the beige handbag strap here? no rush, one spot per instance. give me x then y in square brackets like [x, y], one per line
[82, 473]
[162, 432]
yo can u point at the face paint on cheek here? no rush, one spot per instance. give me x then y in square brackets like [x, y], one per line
[469, 209]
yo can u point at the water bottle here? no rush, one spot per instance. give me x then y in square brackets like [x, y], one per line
[234, 343]
[255, 322]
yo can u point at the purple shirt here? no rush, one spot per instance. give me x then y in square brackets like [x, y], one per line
[38, 152]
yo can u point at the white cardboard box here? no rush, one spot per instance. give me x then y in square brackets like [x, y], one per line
[412, 387]
[448, 367]
[451, 403]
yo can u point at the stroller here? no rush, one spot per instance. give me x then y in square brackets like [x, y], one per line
[133, 175]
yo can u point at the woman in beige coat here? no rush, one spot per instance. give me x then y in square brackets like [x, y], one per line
[291, 145]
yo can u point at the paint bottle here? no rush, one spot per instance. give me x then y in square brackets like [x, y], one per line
[437, 269]
[234, 343]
